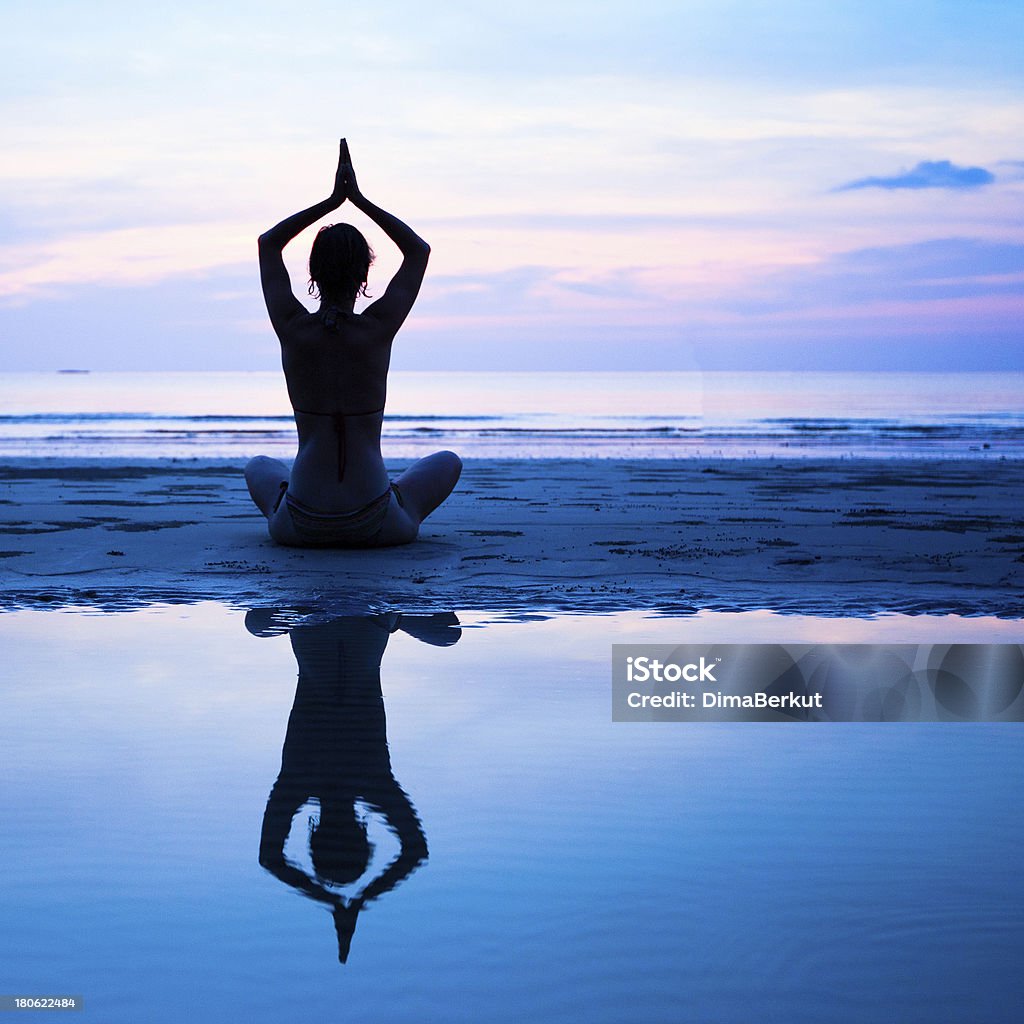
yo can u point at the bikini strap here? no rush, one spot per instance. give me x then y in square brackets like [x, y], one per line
[338, 418]
[339, 433]
[310, 412]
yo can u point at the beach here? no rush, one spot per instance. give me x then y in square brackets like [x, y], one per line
[821, 536]
[171, 675]
[187, 703]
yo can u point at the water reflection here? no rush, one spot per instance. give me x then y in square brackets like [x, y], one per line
[336, 757]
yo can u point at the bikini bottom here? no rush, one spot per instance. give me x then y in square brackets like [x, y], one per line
[356, 529]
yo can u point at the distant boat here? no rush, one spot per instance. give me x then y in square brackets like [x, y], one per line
[73, 371]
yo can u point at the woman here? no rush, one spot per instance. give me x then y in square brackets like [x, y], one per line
[336, 365]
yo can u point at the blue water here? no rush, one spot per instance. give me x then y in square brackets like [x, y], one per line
[511, 415]
[578, 870]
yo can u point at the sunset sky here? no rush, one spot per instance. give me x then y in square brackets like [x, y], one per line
[658, 185]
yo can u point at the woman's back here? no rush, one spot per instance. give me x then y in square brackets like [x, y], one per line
[337, 383]
[341, 368]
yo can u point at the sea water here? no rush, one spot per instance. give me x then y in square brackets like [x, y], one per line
[517, 415]
[575, 869]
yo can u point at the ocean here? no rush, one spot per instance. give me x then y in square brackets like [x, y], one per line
[530, 415]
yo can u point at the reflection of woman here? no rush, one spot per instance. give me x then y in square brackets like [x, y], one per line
[336, 364]
[336, 752]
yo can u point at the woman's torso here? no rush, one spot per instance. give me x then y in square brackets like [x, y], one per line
[337, 383]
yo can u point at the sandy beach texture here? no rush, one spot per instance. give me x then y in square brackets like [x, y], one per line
[833, 537]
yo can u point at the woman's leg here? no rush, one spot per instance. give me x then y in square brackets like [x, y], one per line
[422, 487]
[267, 480]
[427, 482]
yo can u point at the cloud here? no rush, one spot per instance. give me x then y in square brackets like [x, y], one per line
[936, 261]
[927, 174]
[1014, 171]
[136, 256]
[216, 322]
[952, 285]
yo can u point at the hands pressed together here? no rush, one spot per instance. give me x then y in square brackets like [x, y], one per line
[345, 186]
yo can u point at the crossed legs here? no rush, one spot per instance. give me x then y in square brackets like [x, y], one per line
[422, 488]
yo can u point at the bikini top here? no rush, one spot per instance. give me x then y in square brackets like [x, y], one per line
[338, 419]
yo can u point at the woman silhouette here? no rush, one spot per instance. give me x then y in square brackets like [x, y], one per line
[335, 361]
[336, 752]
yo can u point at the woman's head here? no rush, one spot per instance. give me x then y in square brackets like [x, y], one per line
[338, 844]
[339, 263]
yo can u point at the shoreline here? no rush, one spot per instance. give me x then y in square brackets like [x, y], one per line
[826, 536]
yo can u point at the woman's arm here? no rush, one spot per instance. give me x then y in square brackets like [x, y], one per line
[277, 287]
[403, 821]
[282, 804]
[394, 305]
[281, 234]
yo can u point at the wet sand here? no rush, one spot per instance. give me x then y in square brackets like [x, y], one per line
[827, 537]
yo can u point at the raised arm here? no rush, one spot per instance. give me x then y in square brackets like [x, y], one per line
[393, 306]
[277, 287]
[402, 819]
[282, 805]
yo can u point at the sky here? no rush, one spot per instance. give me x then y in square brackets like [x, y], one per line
[730, 184]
